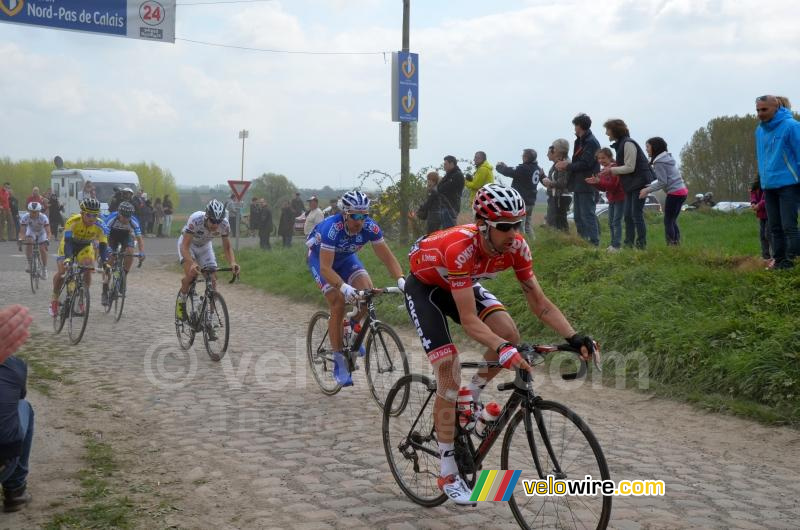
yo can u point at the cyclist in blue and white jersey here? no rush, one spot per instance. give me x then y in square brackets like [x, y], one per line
[339, 273]
[34, 225]
[121, 228]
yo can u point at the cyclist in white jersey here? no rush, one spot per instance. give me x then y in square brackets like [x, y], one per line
[35, 226]
[195, 250]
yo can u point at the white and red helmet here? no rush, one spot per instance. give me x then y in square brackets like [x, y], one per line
[494, 202]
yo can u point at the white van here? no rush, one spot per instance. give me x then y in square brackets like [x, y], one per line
[68, 185]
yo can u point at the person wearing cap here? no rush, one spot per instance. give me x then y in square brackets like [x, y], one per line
[314, 215]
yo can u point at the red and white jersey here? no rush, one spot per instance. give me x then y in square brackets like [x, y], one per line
[452, 258]
[201, 234]
[35, 225]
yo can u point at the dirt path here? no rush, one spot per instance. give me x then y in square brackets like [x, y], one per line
[250, 442]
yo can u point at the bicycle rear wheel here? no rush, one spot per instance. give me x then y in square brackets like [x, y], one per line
[216, 330]
[119, 294]
[385, 363]
[184, 328]
[320, 353]
[562, 445]
[409, 439]
[78, 314]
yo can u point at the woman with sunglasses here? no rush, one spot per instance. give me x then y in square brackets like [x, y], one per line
[446, 269]
[332, 260]
[80, 231]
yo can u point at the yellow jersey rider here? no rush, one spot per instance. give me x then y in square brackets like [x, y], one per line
[80, 231]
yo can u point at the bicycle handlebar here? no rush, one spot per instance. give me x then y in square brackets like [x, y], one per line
[365, 294]
[208, 270]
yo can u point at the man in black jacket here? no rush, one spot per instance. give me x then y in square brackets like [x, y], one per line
[524, 178]
[583, 165]
[450, 188]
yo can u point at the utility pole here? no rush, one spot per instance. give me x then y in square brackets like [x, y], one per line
[405, 141]
[243, 134]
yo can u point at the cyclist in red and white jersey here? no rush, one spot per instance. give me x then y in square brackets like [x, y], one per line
[446, 269]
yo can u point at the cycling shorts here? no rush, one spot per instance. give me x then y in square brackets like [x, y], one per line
[202, 255]
[82, 253]
[428, 305]
[348, 268]
[126, 240]
[40, 236]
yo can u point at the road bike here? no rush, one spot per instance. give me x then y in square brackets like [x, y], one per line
[118, 282]
[73, 302]
[385, 359]
[36, 267]
[542, 438]
[206, 314]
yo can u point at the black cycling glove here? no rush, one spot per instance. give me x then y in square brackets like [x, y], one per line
[578, 340]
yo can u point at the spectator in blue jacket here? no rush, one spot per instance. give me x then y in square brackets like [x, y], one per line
[524, 178]
[584, 164]
[16, 414]
[778, 153]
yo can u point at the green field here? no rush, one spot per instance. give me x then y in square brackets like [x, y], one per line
[713, 325]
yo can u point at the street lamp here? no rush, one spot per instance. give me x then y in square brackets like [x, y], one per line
[244, 133]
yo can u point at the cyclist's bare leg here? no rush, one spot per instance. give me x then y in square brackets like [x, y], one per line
[188, 277]
[336, 305]
[128, 260]
[87, 274]
[112, 259]
[362, 282]
[58, 277]
[43, 254]
[448, 381]
[28, 247]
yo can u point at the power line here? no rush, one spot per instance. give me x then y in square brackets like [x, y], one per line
[222, 2]
[268, 50]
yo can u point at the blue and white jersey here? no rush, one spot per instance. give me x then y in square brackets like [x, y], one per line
[331, 234]
[34, 225]
[114, 223]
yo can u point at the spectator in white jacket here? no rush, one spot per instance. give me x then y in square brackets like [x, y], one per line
[314, 215]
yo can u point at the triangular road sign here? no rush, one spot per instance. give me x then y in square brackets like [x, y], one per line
[239, 188]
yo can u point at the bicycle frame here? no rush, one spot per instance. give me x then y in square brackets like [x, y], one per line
[523, 395]
[366, 297]
[197, 325]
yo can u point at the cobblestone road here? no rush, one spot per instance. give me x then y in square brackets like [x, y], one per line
[250, 442]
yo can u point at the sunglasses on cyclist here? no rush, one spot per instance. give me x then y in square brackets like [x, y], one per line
[358, 216]
[90, 215]
[505, 227]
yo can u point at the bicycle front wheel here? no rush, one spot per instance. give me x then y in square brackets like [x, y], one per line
[78, 314]
[215, 327]
[35, 268]
[386, 362]
[553, 440]
[409, 439]
[320, 353]
[64, 305]
[184, 328]
[119, 294]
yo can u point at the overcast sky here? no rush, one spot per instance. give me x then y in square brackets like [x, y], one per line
[495, 76]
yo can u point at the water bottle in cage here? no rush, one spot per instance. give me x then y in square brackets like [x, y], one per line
[464, 408]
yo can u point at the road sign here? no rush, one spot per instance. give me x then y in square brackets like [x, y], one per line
[405, 86]
[239, 188]
[136, 19]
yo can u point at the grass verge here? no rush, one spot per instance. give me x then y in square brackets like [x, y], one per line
[703, 322]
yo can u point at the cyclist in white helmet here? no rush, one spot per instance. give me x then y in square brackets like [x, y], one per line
[446, 269]
[339, 273]
[35, 226]
[195, 250]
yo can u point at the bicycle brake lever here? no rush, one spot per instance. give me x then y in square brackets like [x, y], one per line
[234, 278]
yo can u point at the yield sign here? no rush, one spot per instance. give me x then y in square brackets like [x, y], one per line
[239, 188]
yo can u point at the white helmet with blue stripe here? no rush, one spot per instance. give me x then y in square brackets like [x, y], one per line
[354, 201]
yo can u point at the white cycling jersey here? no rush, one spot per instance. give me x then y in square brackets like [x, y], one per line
[34, 227]
[201, 234]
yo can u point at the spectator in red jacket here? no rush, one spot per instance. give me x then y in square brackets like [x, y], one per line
[758, 205]
[36, 197]
[615, 194]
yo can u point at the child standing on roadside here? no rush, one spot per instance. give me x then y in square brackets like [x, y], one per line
[608, 182]
[758, 205]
